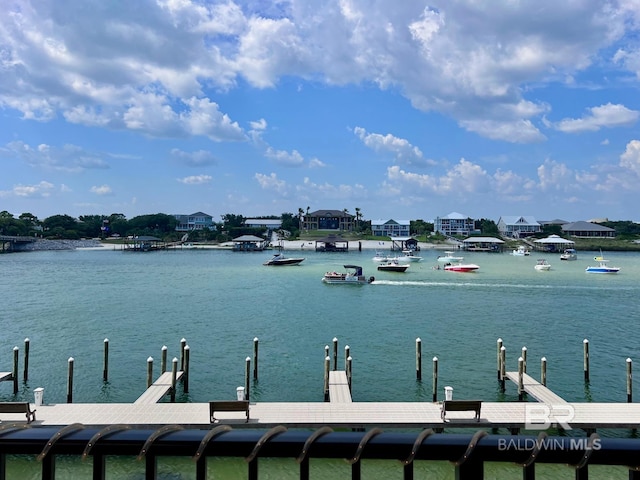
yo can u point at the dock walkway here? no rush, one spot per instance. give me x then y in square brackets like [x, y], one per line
[339, 391]
[534, 388]
[159, 389]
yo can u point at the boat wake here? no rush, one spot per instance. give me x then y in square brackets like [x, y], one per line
[514, 286]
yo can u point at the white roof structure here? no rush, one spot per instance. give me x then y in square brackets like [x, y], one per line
[554, 240]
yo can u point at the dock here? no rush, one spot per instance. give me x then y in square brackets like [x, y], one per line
[6, 376]
[158, 389]
[339, 391]
[534, 388]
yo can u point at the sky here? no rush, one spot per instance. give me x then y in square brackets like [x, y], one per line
[403, 109]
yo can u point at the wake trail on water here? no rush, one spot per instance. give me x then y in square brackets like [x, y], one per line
[498, 285]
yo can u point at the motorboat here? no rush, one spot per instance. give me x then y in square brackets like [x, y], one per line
[279, 260]
[461, 267]
[381, 257]
[393, 265]
[521, 251]
[569, 254]
[409, 256]
[449, 257]
[602, 267]
[542, 265]
[352, 276]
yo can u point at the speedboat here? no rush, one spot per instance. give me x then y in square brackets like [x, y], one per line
[381, 257]
[393, 265]
[569, 254]
[461, 267]
[602, 266]
[353, 276]
[520, 252]
[279, 259]
[409, 256]
[449, 257]
[542, 265]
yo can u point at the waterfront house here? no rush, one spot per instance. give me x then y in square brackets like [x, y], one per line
[338, 220]
[588, 230]
[454, 224]
[195, 221]
[390, 228]
[518, 227]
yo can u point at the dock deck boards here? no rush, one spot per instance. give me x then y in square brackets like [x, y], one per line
[534, 388]
[339, 391]
[159, 389]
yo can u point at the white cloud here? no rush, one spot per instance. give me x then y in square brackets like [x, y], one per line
[608, 115]
[195, 179]
[39, 190]
[282, 157]
[101, 190]
[69, 158]
[272, 183]
[402, 151]
[200, 158]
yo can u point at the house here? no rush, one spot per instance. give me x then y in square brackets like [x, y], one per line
[518, 227]
[268, 223]
[588, 229]
[338, 220]
[454, 224]
[390, 228]
[195, 221]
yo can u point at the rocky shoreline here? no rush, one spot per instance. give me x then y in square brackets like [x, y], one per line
[41, 245]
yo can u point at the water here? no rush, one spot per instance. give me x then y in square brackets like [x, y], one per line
[68, 302]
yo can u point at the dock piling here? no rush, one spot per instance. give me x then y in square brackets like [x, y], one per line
[524, 359]
[149, 371]
[327, 366]
[335, 354]
[347, 354]
[435, 379]
[543, 371]
[585, 343]
[503, 368]
[499, 345]
[163, 360]
[183, 343]
[105, 363]
[418, 358]
[247, 378]
[255, 358]
[348, 371]
[629, 381]
[25, 377]
[185, 374]
[16, 352]
[174, 375]
[520, 379]
[70, 380]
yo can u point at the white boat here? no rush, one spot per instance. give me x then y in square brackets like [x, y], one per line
[602, 266]
[353, 276]
[569, 254]
[542, 265]
[279, 260]
[521, 251]
[381, 257]
[409, 256]
[449, 257]
[393, 265]
[461, 267]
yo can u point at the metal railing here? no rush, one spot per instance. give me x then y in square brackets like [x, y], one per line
[466, 452]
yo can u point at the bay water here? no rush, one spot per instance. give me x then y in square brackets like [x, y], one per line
[68, 302]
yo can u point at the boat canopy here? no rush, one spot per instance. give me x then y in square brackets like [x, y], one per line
[357, 268]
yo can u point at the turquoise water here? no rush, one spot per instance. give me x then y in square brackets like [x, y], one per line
[68, 302]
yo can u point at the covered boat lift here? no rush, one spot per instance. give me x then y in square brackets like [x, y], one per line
[553, 243]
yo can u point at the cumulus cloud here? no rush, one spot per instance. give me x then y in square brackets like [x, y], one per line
[402, 151]
[39, 190]
[199, 158]
[101, 190]
[604, 116]
[68, 158]
[282, 157]
[195, 179]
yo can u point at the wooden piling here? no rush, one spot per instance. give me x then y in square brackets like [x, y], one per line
[499, 345]
[183, 343]
[418, 358]
[524, 359]
[185, 373]
[14, 373]
[255, 358]
[163, 360]
[70, 380]
[25, 377]
[149, 371]
[503, 368]
[520, 379]
[543, 371]
[629, 381]
[105, 361]
[335, 354]
[347, 354]
[435, 379]
[327, 366]
[247, 379]
[174, 375]
[585, 343]
[349, 371]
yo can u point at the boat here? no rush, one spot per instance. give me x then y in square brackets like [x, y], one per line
[449, 257]
[542, 265]
[569, 254]
[521, 251]
[602, 267]
[381, 257]
[461, 267]
[279, 260]
[393, 265]
[352, 276]
[409, 256]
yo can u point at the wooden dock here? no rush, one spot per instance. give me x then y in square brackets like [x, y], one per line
[339, 391]
[534, 388]
[159, 389]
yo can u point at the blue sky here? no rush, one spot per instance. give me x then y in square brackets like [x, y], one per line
[405, 110]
